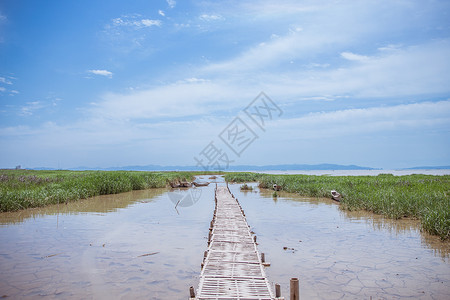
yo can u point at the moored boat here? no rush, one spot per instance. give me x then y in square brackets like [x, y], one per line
[185, 184]
[335, 196]
[200, 183]
[277, 187]
[174, 184]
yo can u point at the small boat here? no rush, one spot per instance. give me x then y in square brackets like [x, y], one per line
[200, 183]
[276, 187]
[213, 177]
[185, 184]
[174, 184]
[335, 196]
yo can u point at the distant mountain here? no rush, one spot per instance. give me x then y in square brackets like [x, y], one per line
[286, 167]
[293, 167]
[429, 168]
[42, 169]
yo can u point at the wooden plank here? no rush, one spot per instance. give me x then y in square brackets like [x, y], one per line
[232, 268]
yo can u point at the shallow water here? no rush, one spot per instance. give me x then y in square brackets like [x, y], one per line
[137, 245]
[345, 255]
[128, 246]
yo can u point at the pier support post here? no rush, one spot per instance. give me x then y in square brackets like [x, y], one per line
[277, 291]
[192, 292]
[295, 293]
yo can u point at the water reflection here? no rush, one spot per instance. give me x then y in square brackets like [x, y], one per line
[377, 222]
[131, 245]
[339, 254]
[98, 204]
[401, 227]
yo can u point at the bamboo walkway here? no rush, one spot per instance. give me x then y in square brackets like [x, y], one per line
[232, 268]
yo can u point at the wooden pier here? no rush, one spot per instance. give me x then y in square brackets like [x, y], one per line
[232, 267]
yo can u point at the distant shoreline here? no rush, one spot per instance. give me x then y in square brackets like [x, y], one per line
[318, 172]
[437, 172]
[309, 169]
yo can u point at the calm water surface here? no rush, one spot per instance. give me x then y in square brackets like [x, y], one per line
[138, 245]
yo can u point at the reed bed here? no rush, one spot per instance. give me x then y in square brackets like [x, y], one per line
[20, 189]
[423, 197]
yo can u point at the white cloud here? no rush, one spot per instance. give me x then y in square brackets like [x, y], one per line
[2, 89]
[160, 12]
[390, 47]
[101, 72]
[129, 33]
[134, 21]
[171, 3]
[189, 97]
[194, 80]
[273, 52]
[104, 137]
[316, 29]
[317, 65]
[30, 108]
[416, 117]
[413, 70]
[212, 17]
[409, 71]
[5, 80]
[353, 56]
[149, 23]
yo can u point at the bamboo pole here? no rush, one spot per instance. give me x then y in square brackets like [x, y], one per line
[295, 293]
[277, 291]
[192, 292]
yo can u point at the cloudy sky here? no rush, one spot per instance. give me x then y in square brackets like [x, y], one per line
[116, 83]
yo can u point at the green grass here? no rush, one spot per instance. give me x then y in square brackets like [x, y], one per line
[246, 187]
[20, 189]
[423, 197]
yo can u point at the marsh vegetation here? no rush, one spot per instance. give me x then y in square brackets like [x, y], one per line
[424, 197]
[20, 189]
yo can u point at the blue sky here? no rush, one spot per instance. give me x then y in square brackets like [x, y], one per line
[115, 83]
